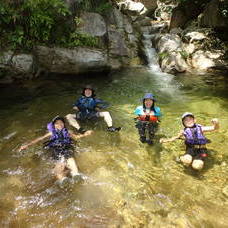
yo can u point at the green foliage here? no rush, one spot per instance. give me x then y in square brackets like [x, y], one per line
[25, 23]
[163, 55]
[184, 54]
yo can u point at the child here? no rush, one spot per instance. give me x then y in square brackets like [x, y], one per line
[195, 140]
[61, 146]
[88, 107]
[147, 119]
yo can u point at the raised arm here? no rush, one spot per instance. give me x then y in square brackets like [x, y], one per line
[164, 140]
[34, 141]
[75, 137]
[214, 127]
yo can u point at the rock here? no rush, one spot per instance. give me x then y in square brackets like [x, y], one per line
[17, 63]
[173, 63]
[168, 43]
[202, 61]
[225, 191]
[71, 61]
[212, 16]
[92, 24]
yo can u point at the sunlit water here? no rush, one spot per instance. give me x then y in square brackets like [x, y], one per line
[126, 183]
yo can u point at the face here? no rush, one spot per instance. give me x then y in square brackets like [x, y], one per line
[148, 103]
[189, 121]
[88, 92]
[59, 125]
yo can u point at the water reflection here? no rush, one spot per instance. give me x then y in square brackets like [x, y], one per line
[126, 183]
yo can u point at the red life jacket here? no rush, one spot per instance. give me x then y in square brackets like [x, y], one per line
[147, 117]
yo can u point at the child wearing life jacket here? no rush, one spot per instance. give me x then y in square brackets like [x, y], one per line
[147, 118]
[60, 144]
[195, 140]
[89, 107]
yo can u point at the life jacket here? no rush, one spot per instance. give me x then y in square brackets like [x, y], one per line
[58, 138]
[194, 135]
[147, 117]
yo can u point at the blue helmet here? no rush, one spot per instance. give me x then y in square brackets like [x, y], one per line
[149, 96]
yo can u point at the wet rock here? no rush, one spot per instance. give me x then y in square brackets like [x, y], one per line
[71, 61]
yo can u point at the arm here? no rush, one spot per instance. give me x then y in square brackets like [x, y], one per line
[163, 140]
[214, 127]
[34, 141]
[75, 137]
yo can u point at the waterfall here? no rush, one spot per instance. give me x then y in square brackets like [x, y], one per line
[150, 53]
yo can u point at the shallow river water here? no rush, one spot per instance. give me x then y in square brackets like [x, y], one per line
[125, 183]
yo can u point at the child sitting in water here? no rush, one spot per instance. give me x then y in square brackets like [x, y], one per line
[61, 146]
[147, 119]
[195, 140]
[88, 107]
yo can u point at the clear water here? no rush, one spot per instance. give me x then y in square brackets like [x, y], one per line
[126, 183]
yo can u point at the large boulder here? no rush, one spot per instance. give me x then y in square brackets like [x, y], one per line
[186, 11]
[92, 24]
[17, 63]
[71, 61]
[212, 16]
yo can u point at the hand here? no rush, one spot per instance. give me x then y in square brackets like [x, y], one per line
[162, 140]
[89, 132]
[214, 121]
[22, 148]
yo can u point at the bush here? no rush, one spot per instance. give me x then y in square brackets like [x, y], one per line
[25, 23]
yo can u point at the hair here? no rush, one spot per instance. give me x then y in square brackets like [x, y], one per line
[58, 118]
[152, 107]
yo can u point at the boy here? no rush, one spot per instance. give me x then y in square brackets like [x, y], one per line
[195, 140]
[88, 107]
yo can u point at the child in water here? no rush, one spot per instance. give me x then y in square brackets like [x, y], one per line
[148, 118]
[60, 143]
[88, 107]
[195, 140]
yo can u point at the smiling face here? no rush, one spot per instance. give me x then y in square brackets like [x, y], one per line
[189, 121]
[59, 125]
[88, 92]
[148, 103]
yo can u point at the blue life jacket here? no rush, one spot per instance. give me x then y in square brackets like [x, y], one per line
[58, 138]
[194, 135]
[87, 105]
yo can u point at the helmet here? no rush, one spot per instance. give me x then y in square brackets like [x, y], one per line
[149, 96]
[88, 87]
[187, 114]
[58, 118]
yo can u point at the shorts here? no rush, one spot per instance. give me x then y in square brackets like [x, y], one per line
[196, 152]
[59, 152]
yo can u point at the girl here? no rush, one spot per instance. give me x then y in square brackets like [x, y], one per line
[60, 143]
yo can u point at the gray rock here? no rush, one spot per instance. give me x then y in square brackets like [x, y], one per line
[71, 61]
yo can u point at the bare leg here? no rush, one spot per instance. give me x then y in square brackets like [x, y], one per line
[60, 170]
[71, 165]
[72, 121]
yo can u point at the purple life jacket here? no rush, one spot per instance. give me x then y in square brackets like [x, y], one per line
[58, 138]
[194, 135]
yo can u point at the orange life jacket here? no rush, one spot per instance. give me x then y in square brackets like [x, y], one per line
[148, 117]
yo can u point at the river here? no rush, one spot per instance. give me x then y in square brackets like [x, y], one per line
[125, 183]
